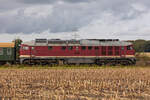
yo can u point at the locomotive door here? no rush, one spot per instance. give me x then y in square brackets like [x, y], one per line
[122, 51]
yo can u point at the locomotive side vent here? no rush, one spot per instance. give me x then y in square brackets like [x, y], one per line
[104, 40]
[40, 40]
[73, 42]
[52, 41]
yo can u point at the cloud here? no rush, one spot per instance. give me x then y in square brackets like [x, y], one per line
[51, 1]
[37, 1]
[99, 18]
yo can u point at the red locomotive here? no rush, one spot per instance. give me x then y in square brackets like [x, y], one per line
[85, 51]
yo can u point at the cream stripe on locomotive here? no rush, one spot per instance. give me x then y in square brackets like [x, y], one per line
[26, 56]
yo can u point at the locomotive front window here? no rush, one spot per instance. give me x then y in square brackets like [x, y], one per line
[63, 48]
[83, 47]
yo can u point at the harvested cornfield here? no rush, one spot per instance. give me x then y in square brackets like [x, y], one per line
[75, 84]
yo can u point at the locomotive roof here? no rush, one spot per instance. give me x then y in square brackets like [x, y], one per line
[7, 44]
[83, 42]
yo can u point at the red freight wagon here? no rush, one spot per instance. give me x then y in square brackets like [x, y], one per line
[86, 51]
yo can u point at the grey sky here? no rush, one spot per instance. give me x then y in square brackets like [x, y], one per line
[94, 18]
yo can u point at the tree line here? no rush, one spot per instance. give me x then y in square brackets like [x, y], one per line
[141, 45]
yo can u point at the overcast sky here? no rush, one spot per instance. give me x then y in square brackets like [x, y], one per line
[30, 19]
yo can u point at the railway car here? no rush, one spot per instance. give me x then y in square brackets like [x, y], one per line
[85, 51]
[7, 53]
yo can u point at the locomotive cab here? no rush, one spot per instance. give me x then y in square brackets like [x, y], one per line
[130, 50]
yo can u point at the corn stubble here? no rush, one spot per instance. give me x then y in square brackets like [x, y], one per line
[75, 84]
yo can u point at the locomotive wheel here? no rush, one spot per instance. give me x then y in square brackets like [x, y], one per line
[61, 62]
[26, 62]
[125, 63]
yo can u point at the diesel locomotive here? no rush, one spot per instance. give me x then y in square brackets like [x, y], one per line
[84, 51]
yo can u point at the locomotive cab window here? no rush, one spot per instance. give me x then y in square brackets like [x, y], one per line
[1, 51]
[129, 48]
[89, 48]
[50, 47]
[83, 47]
[63, 48]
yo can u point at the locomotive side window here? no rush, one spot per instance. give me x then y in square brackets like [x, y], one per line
[96, 48]
[83, 47]
[63, 48]
[89, 48]
[1, 51]
[70, 48]
[50, 47]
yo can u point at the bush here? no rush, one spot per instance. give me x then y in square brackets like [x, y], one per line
[143, 59]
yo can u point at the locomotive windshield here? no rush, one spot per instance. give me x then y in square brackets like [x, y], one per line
[129, 48]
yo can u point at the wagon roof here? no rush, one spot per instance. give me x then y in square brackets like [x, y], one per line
[7, 44]
[83, 42]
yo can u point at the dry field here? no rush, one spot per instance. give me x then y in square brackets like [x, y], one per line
[75, 84]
